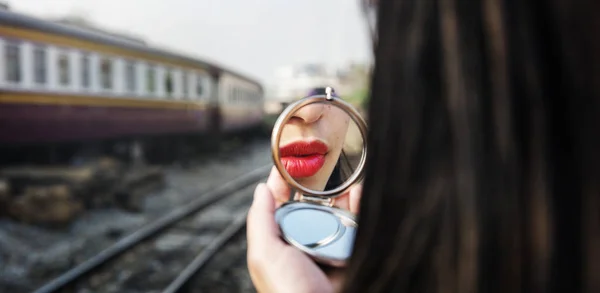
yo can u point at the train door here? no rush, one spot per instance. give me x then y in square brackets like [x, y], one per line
[214, 107]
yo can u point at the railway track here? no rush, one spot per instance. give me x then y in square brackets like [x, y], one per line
[182, 284]
[163, 255]
[225, 272]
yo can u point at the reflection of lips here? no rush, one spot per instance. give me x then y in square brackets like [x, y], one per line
[303, 159]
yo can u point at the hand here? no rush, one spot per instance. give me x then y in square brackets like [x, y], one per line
[274, 265]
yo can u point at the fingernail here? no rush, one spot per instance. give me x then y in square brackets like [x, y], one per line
[259, 189]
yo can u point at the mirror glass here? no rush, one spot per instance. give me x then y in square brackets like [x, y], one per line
[327, 234]
[320, 146]
[310, 227]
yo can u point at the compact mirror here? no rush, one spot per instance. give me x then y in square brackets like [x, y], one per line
[319, 147]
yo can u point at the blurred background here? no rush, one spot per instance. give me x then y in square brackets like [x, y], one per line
[286, 46]
[122, 121]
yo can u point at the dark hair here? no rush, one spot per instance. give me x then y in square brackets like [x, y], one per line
[484, 167]
[341, 172]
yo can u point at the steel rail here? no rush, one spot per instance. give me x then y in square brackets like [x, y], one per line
[207, 253]
[153, 228]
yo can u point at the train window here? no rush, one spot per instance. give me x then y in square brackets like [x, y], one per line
[199, 86]
[64, 76]
[150, 79]
[13, 63]
[184, 84]
[169, 83]
[39, 65]
[85, 71]
[130, 77]
[106, 74]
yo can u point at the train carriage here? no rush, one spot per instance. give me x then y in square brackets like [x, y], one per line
[65, 83]
[242, 103]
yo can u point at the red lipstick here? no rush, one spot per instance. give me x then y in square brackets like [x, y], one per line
[303, 158]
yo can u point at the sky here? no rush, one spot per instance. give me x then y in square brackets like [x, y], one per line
[254, 37]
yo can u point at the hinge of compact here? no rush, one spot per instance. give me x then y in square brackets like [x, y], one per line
[317, 200]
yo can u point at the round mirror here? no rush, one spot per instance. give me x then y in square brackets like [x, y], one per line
[319, 146]
[310, 227]
[326, 234]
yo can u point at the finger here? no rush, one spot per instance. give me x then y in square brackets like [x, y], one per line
[342, 201]
[263, 236]
[350, 199]
[354, 198]
[262, 230]
[279, 188]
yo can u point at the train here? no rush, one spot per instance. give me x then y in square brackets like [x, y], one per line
[65, 83]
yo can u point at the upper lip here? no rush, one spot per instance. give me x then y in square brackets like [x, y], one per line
[303, 148]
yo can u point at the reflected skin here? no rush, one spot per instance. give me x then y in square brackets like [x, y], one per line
[321, 122]
[274, 265]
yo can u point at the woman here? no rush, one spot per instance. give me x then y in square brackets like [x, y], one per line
[483, 174]
[312, 143]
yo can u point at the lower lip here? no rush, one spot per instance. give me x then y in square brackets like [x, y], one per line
[306, 166]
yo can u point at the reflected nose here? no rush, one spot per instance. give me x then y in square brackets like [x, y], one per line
[308, 114]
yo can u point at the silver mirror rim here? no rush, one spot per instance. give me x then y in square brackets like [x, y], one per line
[276, 137]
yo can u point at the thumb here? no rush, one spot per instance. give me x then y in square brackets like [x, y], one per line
[262, 230]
